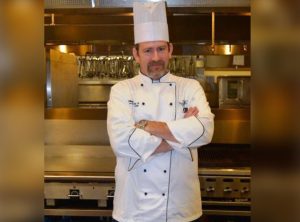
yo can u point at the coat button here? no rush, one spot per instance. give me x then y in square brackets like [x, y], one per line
[170, 84]
[163, 194]
[145, 170]
[145, 193]
[143, 103]
[142, 84]
[171, 104]
[165, 171]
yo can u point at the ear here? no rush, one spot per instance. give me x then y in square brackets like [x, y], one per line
[170, 50]
[135, 55]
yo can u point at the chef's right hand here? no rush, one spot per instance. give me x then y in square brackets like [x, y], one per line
[192, 111]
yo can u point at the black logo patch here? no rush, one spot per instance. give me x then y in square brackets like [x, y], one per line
[184, 105]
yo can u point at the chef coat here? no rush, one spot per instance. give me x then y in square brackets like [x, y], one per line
[165, 186]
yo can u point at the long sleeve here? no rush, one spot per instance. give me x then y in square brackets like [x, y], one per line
[197, 130]
[125, 139]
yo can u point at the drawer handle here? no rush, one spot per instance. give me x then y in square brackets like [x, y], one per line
[74, 195]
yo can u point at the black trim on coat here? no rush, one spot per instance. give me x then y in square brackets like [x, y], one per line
[191, 154]
[130, 168]
[130, 144]
[200, 135]
[170, 164]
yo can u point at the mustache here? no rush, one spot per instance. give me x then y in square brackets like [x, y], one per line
[155, 63]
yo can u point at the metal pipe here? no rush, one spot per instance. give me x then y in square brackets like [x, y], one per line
[52, 19]
[213, 31]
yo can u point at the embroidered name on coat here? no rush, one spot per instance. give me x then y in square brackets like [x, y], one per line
[134, 104]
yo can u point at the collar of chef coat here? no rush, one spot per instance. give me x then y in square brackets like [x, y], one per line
[146, 80]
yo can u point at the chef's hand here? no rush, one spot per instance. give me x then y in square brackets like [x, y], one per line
[160, 129]
[192, 111]
[162, 148]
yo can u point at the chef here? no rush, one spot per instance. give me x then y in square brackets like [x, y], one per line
[156, 121]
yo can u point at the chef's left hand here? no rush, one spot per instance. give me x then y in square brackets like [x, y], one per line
[159, 129]
[192, 111]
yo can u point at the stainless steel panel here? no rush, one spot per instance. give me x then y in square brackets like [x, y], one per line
[213, 61]
[86, 191]
[79, 158]
[76, 114]
[100, 114]
[62, 80]
[79, 176]
[93, 93]
[232, 132]
[232, 114]
[76, 132]
[245, 171]
[88, 127]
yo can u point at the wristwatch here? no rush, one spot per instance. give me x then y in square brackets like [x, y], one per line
[141, 124]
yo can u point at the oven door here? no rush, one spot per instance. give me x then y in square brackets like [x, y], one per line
[234, 92]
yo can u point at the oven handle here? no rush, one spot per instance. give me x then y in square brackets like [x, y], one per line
[74, 195]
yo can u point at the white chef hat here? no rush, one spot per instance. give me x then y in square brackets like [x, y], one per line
[150, 22]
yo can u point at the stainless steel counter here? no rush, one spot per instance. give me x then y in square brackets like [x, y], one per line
[88, 126]
[109, 176]
[101, 114]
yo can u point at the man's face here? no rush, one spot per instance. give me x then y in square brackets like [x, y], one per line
[153, 58]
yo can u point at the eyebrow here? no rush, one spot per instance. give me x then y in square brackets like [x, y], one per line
[162, 46]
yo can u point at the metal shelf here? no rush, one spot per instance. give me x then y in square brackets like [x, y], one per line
[78, 212]
[98, 81]
[245, 171]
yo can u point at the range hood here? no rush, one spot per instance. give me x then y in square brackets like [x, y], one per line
[106, 26]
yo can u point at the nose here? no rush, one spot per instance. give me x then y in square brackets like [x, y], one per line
[155, 56]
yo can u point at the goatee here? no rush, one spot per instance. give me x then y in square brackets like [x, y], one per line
[156, 67]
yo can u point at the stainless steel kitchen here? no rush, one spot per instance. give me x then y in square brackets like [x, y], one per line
[88, 47]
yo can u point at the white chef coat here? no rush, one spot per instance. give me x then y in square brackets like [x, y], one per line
[162, 187]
